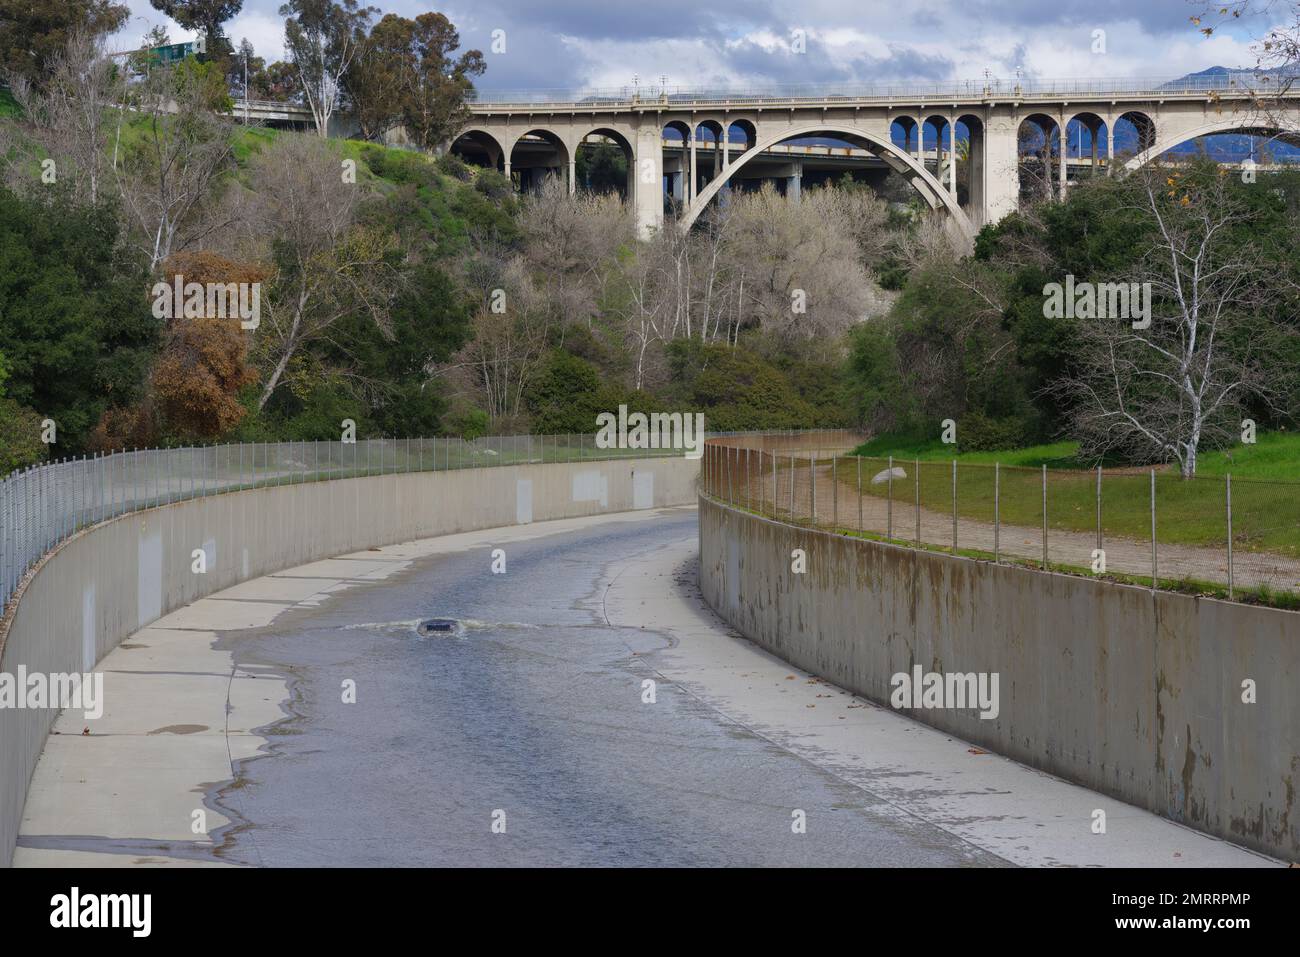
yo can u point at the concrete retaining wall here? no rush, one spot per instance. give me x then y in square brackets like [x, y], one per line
[1129, 692]
[115, 578]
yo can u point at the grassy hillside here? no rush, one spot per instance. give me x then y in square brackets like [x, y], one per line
[1275, 457]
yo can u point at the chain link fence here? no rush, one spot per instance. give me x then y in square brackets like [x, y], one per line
[44, 505]
[1210, 535]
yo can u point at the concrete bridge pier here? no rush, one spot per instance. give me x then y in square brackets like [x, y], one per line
[998, 168]
[676, 183]
[648, 178]
[794, 182]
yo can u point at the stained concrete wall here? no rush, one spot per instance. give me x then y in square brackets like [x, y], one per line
[1132, 693]
[115, 578]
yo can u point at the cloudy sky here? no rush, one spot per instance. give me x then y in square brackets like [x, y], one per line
[603, 43]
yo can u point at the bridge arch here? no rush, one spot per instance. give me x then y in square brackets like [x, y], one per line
[1242, 124]
[474, 144]
[532, 175]
[623, 144]
[745, 126]
[937, 193]
[1046, 178]
[1099, 131]
[973, 165]
[908, 129]
[1147, 132]
[679, 180]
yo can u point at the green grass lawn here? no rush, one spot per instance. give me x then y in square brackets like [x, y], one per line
[1275, 457]
[1265, 490]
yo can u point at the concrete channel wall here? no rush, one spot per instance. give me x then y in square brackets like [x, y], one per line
[114, 578]
[1132, 693]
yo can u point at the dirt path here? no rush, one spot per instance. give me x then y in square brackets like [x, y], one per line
[1073, 548]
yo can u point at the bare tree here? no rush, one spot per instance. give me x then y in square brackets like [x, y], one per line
[171, 174]
[644, 304]
[512, 334]
[1162, 391]
[568, 241]
[1276, 44]
[327, 266]
[806, 279]
[68, 113]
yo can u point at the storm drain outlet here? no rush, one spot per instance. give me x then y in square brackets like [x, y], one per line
[437, 626]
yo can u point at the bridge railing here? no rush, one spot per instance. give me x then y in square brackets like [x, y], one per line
[45, 505]
[1244, 83]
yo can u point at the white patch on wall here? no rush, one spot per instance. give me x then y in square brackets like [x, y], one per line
[523, 501]
[591, 487]
[88, 629]
[148, 587]
[643, 489]
[210, 552]
[733, 574]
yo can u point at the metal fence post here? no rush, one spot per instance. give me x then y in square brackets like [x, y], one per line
[812, 488]
[1099, 545]
[917, 476]
[997, 510]
[793, 473]
[859, 458]
[889, 500]
[954, 506]
[749, 498]
[1229, 506]
[1044, 518]
[835, 491]
[1155, 568]
[775, 489]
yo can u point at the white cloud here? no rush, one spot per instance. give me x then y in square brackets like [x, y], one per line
[747, 42]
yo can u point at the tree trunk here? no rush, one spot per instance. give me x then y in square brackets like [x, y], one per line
[274, 380]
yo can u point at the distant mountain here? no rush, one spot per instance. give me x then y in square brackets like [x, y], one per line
[1230, 147]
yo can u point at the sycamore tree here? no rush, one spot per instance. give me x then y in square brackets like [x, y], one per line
[1174, 373]
[1274, 30]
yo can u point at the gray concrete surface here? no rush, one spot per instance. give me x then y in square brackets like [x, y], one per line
[534, 707]
[117, 577]
[1128, 692]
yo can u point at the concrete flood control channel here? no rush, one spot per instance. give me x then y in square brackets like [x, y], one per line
[532, 704]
